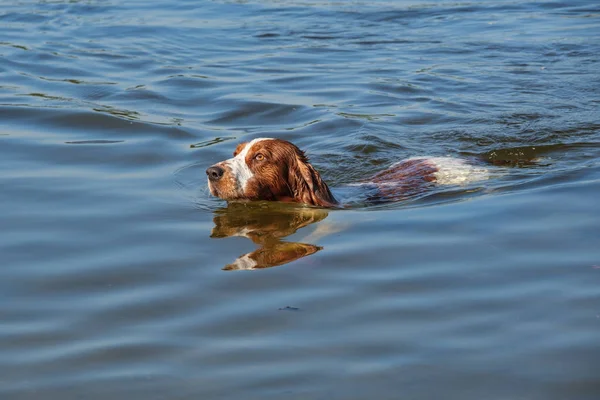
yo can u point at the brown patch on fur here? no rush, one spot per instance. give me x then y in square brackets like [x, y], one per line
[404, 179]
[415, 170]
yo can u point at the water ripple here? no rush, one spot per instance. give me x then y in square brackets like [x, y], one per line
[113, 252]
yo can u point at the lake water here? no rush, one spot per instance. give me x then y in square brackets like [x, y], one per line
[119, 274]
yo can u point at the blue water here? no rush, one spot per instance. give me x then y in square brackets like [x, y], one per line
[119, 273]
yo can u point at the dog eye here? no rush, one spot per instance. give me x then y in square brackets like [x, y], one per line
[259, 157]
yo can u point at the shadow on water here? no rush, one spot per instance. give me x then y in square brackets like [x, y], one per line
[267, 225]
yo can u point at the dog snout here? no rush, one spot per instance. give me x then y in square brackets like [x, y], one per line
[215, 173]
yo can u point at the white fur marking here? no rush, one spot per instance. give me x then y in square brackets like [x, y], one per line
[239, 168]
[455, 171]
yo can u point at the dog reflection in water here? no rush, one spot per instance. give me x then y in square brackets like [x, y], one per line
[266, 224]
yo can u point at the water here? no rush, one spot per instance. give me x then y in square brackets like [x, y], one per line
[120, 275]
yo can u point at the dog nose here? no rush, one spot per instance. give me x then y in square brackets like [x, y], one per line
[215, 173]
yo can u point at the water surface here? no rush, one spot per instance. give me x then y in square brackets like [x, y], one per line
[121, 277]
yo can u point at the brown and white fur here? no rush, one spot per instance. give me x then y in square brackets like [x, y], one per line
[277, 170]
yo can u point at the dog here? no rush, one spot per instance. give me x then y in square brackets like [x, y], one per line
[276, 170]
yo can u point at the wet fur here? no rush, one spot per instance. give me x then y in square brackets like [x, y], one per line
[284, 175]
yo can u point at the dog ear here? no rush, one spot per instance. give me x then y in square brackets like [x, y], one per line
[307, 185]
[239, 148]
